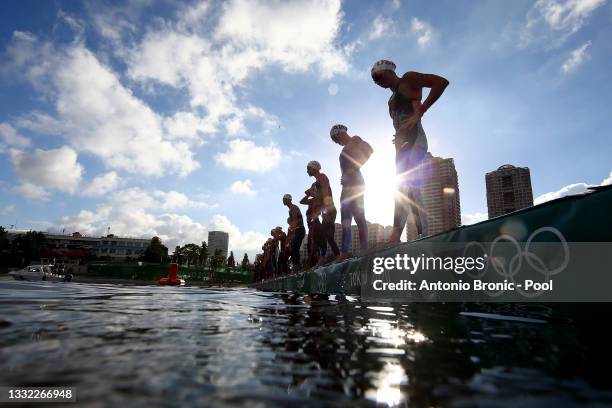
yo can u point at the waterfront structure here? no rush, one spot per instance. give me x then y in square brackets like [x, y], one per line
[440, 196]
[508, 190]
[76, 245]
[218, 240]
[377, 237]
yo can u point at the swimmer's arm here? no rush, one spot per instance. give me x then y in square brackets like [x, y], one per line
[436, 83]
[367, 150]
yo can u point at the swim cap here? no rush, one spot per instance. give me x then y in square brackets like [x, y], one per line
[383, 65]
[287, 196]
[337, 129]
[314, 165]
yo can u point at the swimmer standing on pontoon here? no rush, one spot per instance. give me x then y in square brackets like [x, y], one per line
[406, 110]
[355, 153]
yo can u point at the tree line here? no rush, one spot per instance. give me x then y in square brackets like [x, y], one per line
[22, 250]
[192, 254]
[30, 247]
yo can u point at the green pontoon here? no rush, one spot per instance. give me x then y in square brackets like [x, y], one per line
[578, 218]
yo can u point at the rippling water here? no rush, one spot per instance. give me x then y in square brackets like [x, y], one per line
[158, 346]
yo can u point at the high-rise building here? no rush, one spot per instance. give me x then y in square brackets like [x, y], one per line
[508, 190]
[218, 240]
[440, 196]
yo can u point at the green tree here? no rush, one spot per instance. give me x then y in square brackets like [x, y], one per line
[191, 253]
[203, 253]
[28, 247]
[156, 251]
[4, 247]
[3, 239]
[217, 260]
[245, 262]
[231, 262]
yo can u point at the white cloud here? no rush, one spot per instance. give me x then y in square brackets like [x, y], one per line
[576, 188]
[577, 57]
[186, 126]
[394, 4]
[423, 31]
[101, 185]
[249, 241]
[55, 169]
[468, 219]
[10, 137]
[295, 34]
[246, 155]
[95, 112]
[172, 200]
[116, 21]
[136, 199]
[381, 25]
[133, 212]
[32, 191]
[243, 187]
[571, 189]
[40, 122]
[553, 21]
[192, 17]
[9, 209]
[295, 37]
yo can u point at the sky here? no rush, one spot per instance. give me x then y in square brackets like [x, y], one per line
[167, 118]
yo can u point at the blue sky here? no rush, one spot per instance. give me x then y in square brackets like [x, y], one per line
[160, 118]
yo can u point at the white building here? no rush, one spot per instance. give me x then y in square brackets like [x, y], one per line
[218, 240]
[76, 245]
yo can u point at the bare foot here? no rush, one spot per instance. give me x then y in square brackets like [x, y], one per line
[341, 257]
[394, 239]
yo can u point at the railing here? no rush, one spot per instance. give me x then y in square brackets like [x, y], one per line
[153, 271]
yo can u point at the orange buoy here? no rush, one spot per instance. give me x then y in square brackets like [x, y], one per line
[172, 279]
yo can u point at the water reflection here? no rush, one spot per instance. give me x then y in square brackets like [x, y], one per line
[192, 346]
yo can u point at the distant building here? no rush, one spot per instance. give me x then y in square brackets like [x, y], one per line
[304, 250]
[119, 247]
[440, 197]
[78, 246]
[218, 240]
[508, 190]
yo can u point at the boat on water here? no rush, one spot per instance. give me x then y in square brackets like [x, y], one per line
[42, 272]
[581, 218]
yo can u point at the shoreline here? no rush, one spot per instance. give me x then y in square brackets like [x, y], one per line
[133, 282]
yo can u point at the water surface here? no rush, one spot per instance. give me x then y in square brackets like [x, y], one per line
[159, 346]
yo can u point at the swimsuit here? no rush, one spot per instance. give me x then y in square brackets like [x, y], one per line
[411, 145]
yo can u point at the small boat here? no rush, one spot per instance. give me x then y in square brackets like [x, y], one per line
[48, 273]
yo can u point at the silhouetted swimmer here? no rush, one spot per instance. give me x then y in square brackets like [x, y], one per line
[354, 155]
[295, 232]
[314, 225]
[267, 267]
[282, 255]
[328, 210]
[406, 110]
